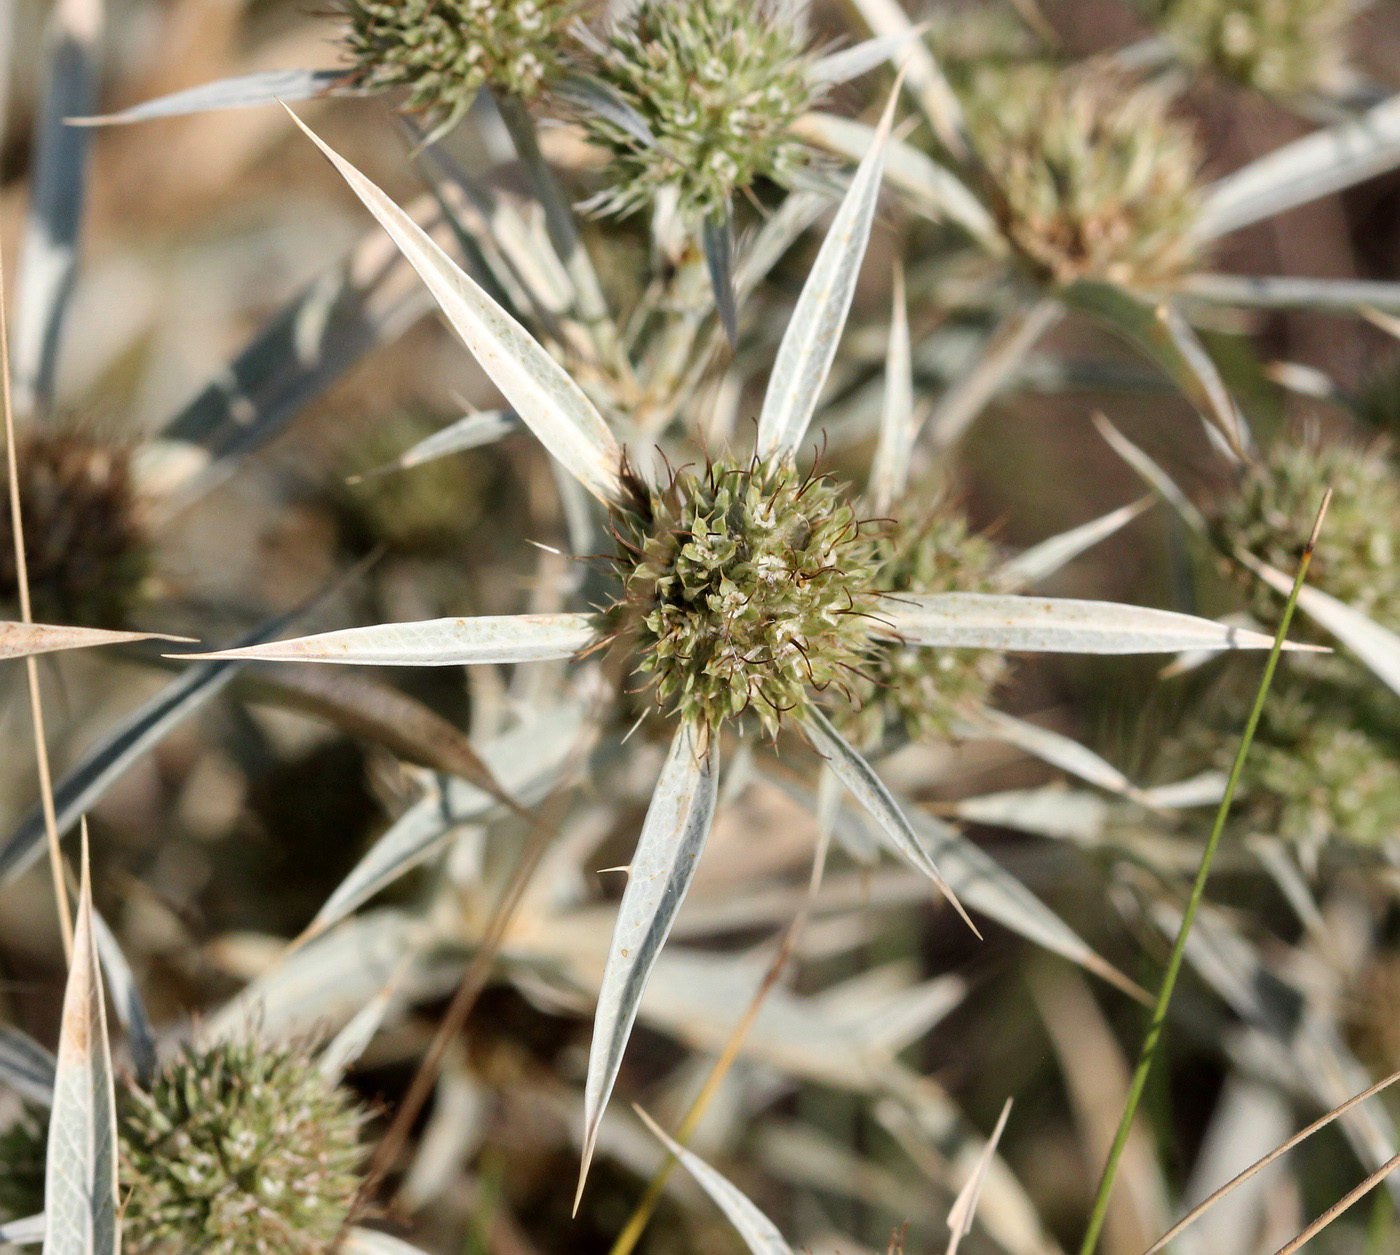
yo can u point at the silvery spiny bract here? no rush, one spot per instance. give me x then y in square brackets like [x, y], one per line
[243, 1148]
[1278, 47]
[718, 82]
[444, 51]
[1356, 555]
[1088, 174]
[746, 587]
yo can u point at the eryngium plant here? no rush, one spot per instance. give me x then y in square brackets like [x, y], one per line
[1284, 48]
[718, 83]
[1088, 174]
[1356, 555]
[707, 543]
[85, 540]
[444, 51]
[243, 1147]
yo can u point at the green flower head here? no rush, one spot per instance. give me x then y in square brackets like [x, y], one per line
[1087, 172]
[718, 82]
[443, 51]
[1322, 767]
[241, 1149]
[923, 691]
[746, 587]
[1278, 47]
[244, 1147]
[1271, 512]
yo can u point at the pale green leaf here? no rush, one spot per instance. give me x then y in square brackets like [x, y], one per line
[933, 189]
[1058, 625]
[869, 790]
[922, 74]
[760, 1234]
[263, 88]
[48, 261]
[433, 642]
[1160, 331]
[1378, 647]
[667, 854]
[1343, 296]
[1323, 162]
[25, 1066]
[80, 1179]
[360, 1241]
[1056, 749]
[964, 1207]
[809, 343]
[26, 1232]
[889, 472]
[20, 639]
[554, 407]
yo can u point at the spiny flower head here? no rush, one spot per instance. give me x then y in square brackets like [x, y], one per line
[443, 51]
[1271, 512]
[923, 691]
[718, 82]
[1278, 47]
[1088, 174]
[243, 1147]
[86, 549]
[1322, 766]
[746, 587]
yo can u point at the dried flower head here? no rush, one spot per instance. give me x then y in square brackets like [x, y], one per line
[244, 1147]
[746, 587]
[443, 51]
[718, 82]
[1088, 173]
[1271, 514]
[923, 691]
[85, 542]
[1279, 47]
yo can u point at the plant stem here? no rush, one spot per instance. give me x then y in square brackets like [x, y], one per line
[1178, 954]
[31, 665]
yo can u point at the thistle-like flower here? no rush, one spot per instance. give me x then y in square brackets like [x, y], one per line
[746, 587]
[748, 577]
[1089, 176]
[242, 1147]
[1283, 48]
[444, 51]
[718, 83]
[1355, 559]
[84, 536]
